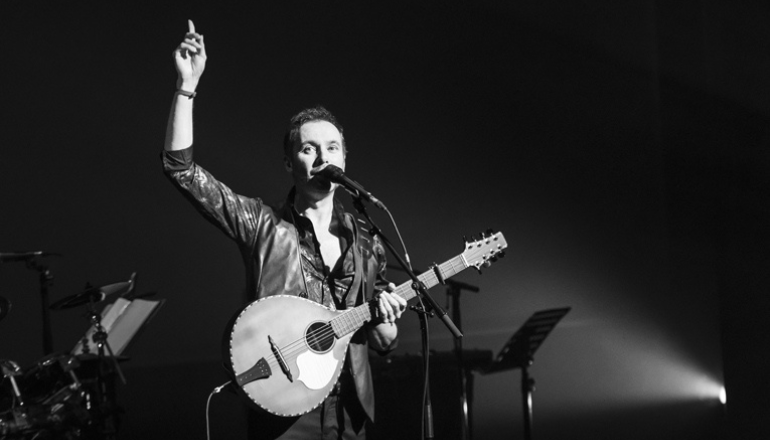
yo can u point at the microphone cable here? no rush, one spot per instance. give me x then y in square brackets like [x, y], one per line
[208, 403]
[400, 239]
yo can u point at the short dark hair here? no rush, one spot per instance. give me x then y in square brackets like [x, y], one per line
[317, 113]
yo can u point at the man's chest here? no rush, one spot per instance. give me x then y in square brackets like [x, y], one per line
[330, 249]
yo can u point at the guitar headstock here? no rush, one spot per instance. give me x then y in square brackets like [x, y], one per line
[485, 250]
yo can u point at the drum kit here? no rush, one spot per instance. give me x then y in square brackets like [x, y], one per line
[63, 396]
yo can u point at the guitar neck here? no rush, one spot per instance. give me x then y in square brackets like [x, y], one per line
[353, 319]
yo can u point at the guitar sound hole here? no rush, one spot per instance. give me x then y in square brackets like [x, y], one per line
[319, 337]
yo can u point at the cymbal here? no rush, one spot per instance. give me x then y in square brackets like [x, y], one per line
[94, 294]
[6, 257]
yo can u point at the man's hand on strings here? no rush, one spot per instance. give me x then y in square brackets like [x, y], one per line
[389, 305]
[190, 58]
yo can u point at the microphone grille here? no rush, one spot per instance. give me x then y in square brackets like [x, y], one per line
[331, 172]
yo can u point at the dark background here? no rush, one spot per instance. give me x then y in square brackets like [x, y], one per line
[620, 146]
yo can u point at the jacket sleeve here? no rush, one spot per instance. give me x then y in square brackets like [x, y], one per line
[237, 216]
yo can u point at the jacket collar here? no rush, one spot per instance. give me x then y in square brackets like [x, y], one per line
[290, 214]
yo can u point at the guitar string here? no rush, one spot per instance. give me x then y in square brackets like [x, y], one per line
[326, 332]
[322, 335]
[294, 348]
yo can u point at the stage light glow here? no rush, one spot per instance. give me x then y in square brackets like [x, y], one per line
[641, 366]
[723, 396]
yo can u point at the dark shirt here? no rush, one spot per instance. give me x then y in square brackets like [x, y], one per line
[327, 287]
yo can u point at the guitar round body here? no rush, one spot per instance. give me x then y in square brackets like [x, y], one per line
[284, 355]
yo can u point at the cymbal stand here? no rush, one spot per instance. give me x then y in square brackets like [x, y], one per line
[101, 389]
[46, 280]
[100, 339]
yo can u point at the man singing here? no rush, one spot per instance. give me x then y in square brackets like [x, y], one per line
[308, 247]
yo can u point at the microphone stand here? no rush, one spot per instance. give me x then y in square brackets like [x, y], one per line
[428, 305]
[453, 291]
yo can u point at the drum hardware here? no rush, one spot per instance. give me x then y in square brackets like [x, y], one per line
[10, 370]
[60, 397]
[64, 396]
[47, 398]
[100, 401]
[100, 339]
[92, 296]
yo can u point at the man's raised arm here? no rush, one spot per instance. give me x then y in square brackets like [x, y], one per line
[190, 59]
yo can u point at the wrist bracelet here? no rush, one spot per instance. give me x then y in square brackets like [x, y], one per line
[189, 95]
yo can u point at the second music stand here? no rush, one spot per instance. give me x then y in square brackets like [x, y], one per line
[519, 352]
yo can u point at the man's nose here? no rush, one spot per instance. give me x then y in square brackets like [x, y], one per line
[321, 158]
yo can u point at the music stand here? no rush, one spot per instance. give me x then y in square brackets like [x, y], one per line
[518, 352]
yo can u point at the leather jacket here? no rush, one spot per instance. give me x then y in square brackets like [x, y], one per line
[269, 244]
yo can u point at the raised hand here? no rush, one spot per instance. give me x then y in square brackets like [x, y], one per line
[190, 58]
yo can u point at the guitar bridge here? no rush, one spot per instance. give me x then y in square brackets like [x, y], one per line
[260, 370]
[279, 357]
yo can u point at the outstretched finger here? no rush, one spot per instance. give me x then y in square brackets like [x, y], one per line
[191, 26]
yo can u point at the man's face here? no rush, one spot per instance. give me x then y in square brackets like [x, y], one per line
[319, 143]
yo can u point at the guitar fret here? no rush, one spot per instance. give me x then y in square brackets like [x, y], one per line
[347, 319]
[456, 265]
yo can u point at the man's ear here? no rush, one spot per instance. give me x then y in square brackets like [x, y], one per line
[287, 163]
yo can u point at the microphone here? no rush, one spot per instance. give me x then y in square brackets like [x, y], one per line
[336, 175]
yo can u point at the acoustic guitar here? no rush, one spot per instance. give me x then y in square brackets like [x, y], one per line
[286, 352]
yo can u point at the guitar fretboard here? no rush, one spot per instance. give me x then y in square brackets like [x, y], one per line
[355, 318]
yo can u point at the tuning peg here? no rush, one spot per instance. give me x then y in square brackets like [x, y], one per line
[490, 231]
[501, 254]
